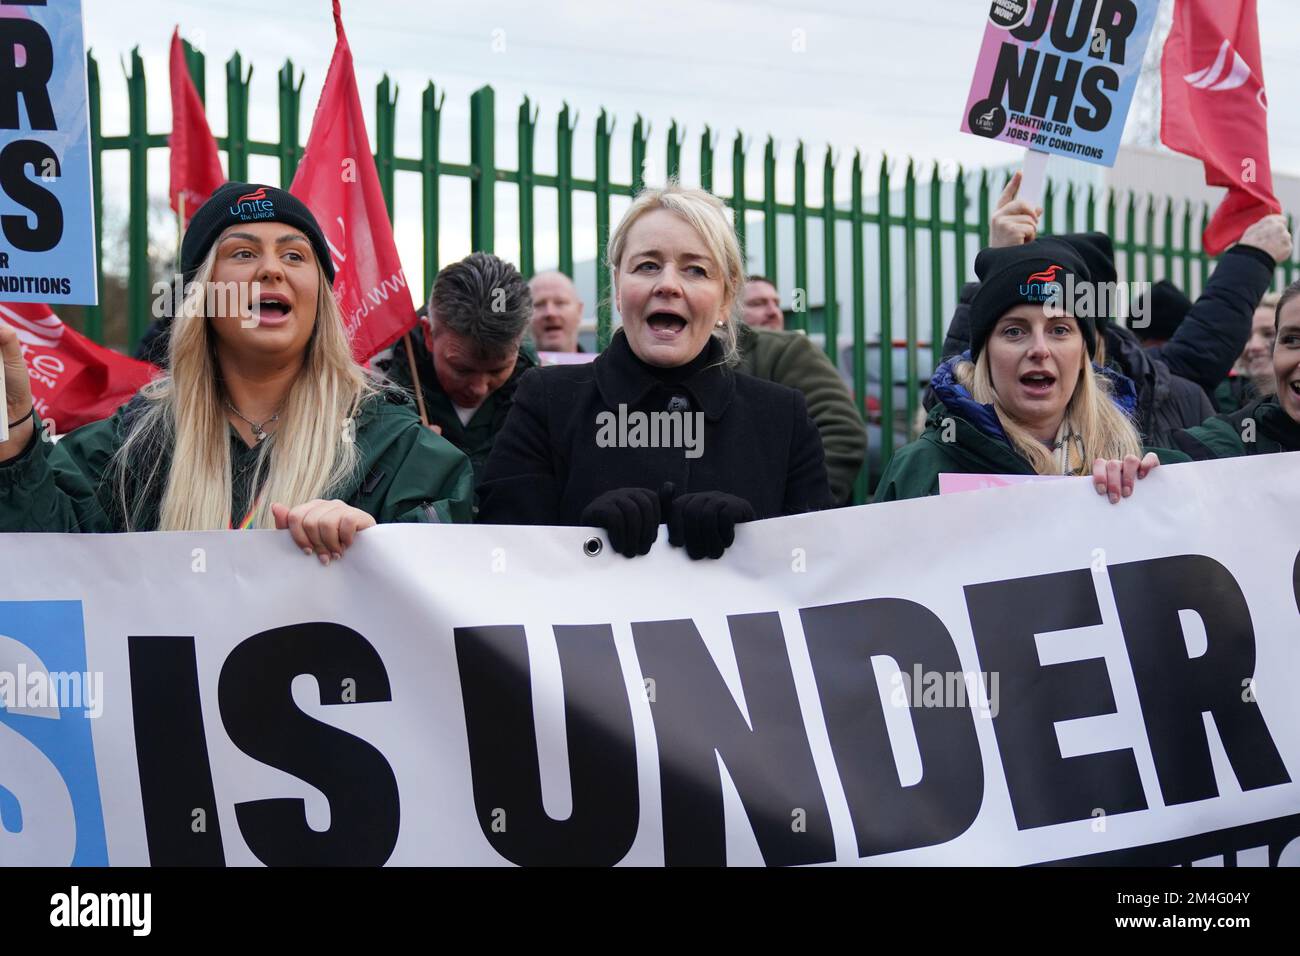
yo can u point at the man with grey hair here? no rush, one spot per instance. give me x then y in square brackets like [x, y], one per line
[467, 353]
[557, 312]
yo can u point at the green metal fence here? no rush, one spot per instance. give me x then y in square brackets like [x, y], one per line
[1177, 256]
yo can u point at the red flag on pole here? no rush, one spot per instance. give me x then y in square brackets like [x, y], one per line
[339, 183]
[1214, 108]
[195, 165]
[74, 381]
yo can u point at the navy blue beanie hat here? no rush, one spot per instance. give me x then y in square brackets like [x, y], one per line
[234, 203]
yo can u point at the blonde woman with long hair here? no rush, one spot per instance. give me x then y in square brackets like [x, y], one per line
[262, 419]
[1027, 398]
[660, 429]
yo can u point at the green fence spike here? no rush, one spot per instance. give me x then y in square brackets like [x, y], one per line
[706, 160]
[527, 227]
[800, 319]
[909, 293]
[430, 179]
[830, 298]
[564, 187]
[738, 198]
[289, 98]
[604, 310]
[862, 486]
[482, 158]
[139, 280]
[936, 266]
[885, 350]
[673, 159]
[771, 267]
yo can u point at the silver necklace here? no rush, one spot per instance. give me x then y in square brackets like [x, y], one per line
[259, 428]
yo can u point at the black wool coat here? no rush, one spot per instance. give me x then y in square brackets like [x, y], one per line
[757, 441]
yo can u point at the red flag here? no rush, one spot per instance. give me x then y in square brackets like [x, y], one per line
[74, 381]
[339, 183]
[1214, 108]
[195, 165]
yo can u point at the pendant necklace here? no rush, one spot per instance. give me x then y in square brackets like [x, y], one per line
[259, 428]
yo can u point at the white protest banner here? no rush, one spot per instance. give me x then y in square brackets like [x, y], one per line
[1058, 76]
[1015, 676]
[47, 225]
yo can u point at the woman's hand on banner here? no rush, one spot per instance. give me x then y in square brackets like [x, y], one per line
[1116, 479]
[1014, 222]
[323, 528]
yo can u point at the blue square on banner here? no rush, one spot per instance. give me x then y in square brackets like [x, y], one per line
[48, 636]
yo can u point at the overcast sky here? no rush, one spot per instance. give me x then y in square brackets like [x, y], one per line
[869, 75]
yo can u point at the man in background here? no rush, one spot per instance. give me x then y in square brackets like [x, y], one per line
[557, 312]
[467, 353]
[762, 304]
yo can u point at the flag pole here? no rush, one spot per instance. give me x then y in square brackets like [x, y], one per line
[180, 230]
[415, 377]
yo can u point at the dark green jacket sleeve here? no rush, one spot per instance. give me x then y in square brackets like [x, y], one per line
[913, 472]
[799, 364]
[1213, 438]
[1168, 456]
[61, 486]
[415, 475]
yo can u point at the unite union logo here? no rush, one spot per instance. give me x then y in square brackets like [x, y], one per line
[1041, 286]
[253, 206]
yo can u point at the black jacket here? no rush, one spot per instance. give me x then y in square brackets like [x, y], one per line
[758, 442]
[1166, 402]
[1216, 330]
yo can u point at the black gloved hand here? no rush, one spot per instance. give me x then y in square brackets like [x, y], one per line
[630, 516]
[705, 522]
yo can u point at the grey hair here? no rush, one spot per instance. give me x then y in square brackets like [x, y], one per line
[483, 298]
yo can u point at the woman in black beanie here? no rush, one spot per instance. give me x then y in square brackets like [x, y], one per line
[1026, 398]
[261, 420]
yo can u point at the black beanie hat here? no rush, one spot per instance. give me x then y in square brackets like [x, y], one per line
[1168, 307]
[1098, 252]
[234, 203]
[1014, 275]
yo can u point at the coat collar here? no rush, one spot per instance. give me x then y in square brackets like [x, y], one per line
[958, 399]
[623, 379]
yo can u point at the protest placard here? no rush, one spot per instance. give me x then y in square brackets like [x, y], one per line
[47, 226]
[1058, 76]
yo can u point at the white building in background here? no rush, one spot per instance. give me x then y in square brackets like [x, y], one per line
[1143, 171]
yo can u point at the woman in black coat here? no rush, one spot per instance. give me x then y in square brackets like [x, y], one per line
[659, 428]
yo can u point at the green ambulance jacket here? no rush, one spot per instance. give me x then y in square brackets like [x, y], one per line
[914, 470]
[1261, 428]
[406, 473]
[791, 358]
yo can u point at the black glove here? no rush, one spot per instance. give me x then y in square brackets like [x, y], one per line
[630, 516]
[705, 522]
